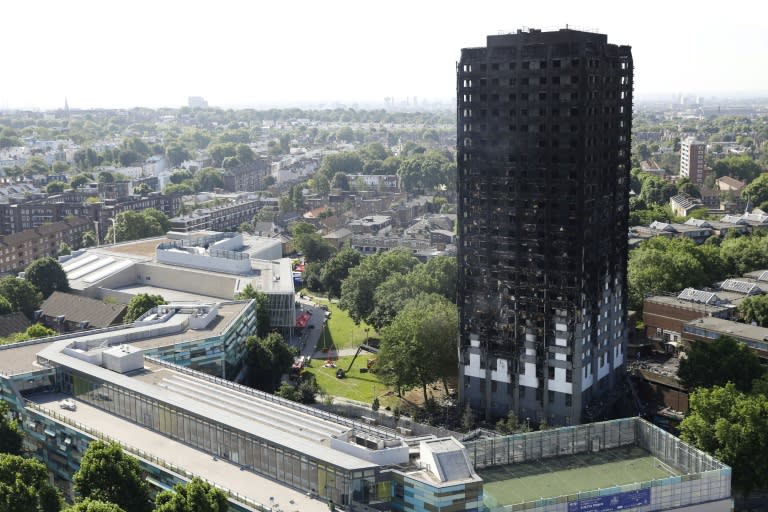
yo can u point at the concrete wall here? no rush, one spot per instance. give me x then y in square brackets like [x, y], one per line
[383, 457]
[203, 261]
[188, 280]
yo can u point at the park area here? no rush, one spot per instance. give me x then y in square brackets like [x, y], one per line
[337, 344]
[341, 334]
[340, 331]
[569, 474]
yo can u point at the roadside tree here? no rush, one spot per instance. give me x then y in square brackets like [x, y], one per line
[107, 474]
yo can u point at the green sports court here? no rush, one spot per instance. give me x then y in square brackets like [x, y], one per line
[570, 474]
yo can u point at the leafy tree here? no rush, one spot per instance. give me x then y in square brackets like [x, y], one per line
[244, 153]
[47, 275]
[346, 163]
[313, 246]
[340, 180]
[177, 153]
[89, 505]
[219, 152]
[663, 264]
[194, 496]
[262, 307]
[418, 347]
[5, 306]
[757, 191]
[106, 177]
[142, 190]
[268, 358]
[509, 425]
[336, 270]
[357, 290]
[25, 486]
[288, 391]
[107, 474]
[129, 157]
[22, 295]
[133, 225]
[55, 187]
[744, 254]
[64, 249]
[718, 362]
[180, 176]
[36, 165]
[80, 180]
[89, 239]
[87, 159]
[733, 427]
[302, 228]
[183, 189]
[140, 304]
[160, 219]
[38, 331]
[438, 275]
[312, 276]
[308, 389]
[230, 162]
[755, 309]
[11, 436]
[195, 138]
[685, 186]
[738, 166]
[208, 179]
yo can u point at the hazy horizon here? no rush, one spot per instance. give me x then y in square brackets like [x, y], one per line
[156, 54]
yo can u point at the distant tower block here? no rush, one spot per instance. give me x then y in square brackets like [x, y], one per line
[692, 153]
[197, 102]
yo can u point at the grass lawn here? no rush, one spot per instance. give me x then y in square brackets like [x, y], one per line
[355, 386]
[341, 332]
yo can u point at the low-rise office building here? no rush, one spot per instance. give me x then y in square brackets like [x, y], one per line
[708, 329]
[139, 385]
[207, 267]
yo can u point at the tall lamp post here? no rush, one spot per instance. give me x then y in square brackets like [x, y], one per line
[113, 220]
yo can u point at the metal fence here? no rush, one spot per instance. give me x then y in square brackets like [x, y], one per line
[703, 478]
[319, 413]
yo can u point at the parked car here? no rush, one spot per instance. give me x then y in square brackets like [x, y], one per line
[68, 404]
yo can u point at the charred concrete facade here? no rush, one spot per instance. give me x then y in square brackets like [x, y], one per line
[544, 122]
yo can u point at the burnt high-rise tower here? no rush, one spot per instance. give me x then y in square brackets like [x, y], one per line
[543, 139]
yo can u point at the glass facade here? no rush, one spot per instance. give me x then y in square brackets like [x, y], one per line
[220, 355]
[262, 456]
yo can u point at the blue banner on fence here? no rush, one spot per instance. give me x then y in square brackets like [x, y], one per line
[621, 501]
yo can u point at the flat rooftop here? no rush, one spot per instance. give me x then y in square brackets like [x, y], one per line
[96, 264]
[688, 304]
[262, 416]
[145, 248]
[226, 401]
[168, 294]
[223, 473]
[21, 358]
[570, 474]
[729, 327]
[18, 358]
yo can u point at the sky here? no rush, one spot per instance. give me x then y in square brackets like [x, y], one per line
[120, 53]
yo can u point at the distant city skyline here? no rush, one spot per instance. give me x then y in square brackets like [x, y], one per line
[156, 54]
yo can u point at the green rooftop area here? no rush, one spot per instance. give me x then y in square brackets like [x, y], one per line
[569, 474]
